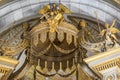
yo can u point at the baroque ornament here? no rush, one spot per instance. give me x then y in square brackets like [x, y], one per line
[57, 47]
[54, 43]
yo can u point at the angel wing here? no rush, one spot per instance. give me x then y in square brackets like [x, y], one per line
[114, 30]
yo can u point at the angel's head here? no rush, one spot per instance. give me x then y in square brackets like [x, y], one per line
[54, 5]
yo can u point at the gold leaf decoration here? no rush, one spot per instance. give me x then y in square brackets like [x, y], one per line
[60, 36]
[69, 38]
[43, 36]
[52, 36]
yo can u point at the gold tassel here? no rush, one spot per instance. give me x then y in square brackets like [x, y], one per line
[38, 66]
[53, 68]
[68, 38]
[45, 70]
[60, 36]
[68, 69]
[43, 36]
[60, 70]
[52, 36]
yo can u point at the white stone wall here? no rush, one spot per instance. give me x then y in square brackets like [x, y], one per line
[20, 9]
[105, 58]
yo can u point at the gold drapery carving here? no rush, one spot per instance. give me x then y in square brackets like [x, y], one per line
[37, 54]
[63, 50]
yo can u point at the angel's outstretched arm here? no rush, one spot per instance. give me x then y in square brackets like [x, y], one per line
[113, 23]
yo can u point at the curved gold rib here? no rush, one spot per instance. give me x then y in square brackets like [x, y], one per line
[40, 53]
